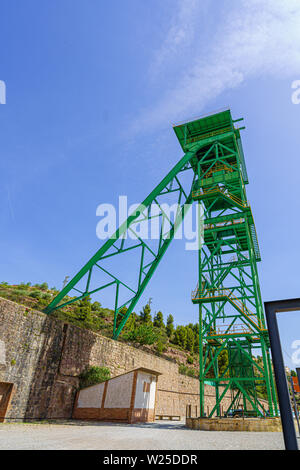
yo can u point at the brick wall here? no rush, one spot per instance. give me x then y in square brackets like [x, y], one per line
[43, 357]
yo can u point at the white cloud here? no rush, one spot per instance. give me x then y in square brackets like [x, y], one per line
[179, 35]
[255, 38]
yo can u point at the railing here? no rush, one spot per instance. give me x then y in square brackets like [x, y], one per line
[233, 329]
[227, 223]
[229, 169]
[224, 292]
[202, 192]
[190, 140]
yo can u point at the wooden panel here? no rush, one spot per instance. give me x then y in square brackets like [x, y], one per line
[5, 398]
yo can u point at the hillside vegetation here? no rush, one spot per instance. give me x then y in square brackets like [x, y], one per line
[179, 344]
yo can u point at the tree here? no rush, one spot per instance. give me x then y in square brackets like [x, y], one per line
[83, 310]
[190, 339]
[120, 317]
[223, 361]
[180, 336]
[196, 344]
[131, 322]
[161, 339]
[158, 320]
[97, 310]
[170, 326]
[96, 306]
[145, 314]
[44, 286]
[196, 338]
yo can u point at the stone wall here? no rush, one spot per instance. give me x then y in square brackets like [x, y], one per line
[43, 357]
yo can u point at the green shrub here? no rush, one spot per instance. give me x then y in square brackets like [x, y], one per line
[21, 286]
[36, 294]
[190, 360]
[20, 292]
[191, 372]
[161, 345]
[143, 334]
[93, 375]
[44, 286]
[46, 296]
[184, 370]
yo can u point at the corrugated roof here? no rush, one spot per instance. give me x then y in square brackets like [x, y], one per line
[193, 130]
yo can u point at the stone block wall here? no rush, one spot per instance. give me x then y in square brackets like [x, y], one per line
[43, 358]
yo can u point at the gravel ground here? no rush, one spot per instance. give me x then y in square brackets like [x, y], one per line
[152, 436]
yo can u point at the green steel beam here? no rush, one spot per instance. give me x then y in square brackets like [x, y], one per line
[145, 272]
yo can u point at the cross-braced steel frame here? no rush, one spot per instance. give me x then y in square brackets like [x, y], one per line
[231, 314]
[119, 243]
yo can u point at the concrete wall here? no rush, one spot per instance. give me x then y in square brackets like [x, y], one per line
[144, 399]
[119, 390]
[43, 357]
[91, 397]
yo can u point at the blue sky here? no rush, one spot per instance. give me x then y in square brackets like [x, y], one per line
[93, 89]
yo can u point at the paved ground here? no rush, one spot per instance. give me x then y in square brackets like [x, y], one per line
[154, 436]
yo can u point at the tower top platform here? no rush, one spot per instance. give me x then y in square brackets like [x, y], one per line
[204, 127]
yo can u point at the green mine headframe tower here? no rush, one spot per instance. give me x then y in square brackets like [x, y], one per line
[231, 317]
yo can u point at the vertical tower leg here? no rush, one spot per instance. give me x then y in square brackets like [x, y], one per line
[228, 293]
[201, 364]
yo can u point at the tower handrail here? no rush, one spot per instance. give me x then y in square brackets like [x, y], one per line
[222, 191]
[226, 223]
[197, 294]
[230, 329]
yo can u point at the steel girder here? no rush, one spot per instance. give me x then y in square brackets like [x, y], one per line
[117, 244]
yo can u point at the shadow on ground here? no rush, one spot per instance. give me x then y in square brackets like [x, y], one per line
[155, 425]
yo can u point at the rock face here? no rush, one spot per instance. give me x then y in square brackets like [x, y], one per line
[42, 357]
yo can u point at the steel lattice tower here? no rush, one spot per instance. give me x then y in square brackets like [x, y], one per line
[231, 317]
